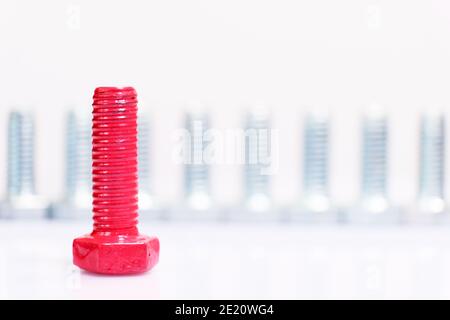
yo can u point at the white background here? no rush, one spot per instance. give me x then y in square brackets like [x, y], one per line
[291, 55]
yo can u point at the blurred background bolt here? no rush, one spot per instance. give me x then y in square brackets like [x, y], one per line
[22, 200]
[432, 165]
[374, 161]
[148, 206]
[316, 162]
[196, 174]
[77, 202]
[78, 153]
[145, 198]
[257, 150]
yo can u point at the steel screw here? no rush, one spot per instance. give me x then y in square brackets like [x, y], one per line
[144, 149]
[374, 162]
[79, 149]
[257, 146]
[432, 163]
[197, 171]
[22, 200]
[78, 198]
[316, 162]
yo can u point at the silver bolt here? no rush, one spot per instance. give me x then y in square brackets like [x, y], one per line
[78, 198]
[78, 157]
[196, 170]
[144, 149]
[20, 154]
[316, 162]
[432, 163]
[22, 200]
[257, 148]
[374, 162]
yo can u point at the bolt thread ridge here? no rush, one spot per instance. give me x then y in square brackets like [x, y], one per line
[114, 161]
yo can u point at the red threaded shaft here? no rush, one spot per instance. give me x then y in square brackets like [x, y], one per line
[114, 157]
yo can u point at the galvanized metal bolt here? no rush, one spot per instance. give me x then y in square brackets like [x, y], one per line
[432, 164]
[22, 200]
[148, 204]
[79, 149]
[196, 174]
[316, 162]
[375, 162]
[146, 200]
[78, 186]
[21, 154]
[257, 148]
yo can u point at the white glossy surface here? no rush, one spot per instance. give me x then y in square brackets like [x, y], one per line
[202, 261]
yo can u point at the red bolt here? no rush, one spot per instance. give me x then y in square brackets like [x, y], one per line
[115, 245]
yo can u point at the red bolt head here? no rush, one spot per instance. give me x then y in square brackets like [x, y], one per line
[116, 254]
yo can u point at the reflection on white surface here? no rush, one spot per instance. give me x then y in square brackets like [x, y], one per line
[201, 261]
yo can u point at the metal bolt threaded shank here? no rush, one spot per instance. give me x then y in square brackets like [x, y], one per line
[432, 162]
[257, 149]
[316, 162]
[21, 154]
[196, 170]
[78, 157]
[115, 245]
[374, 164]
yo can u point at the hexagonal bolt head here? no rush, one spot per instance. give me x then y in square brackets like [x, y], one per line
[114, 255]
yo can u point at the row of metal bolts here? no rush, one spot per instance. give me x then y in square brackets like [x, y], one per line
[374, 205]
